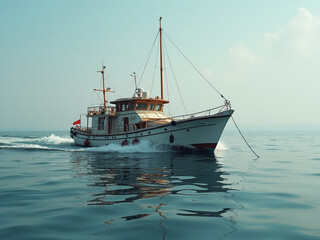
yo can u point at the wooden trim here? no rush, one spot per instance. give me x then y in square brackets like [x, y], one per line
[134, 102]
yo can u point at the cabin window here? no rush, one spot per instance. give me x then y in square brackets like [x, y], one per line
[118, 108]
[141, 106]
[158, 107]
[131, 106]
[151, 106]
[101, 123]
[124, 106]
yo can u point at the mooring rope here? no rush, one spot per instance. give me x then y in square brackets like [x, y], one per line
[244, 138]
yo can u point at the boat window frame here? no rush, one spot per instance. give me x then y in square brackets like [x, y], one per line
[140, 105]
[159, 104]
[145, 104]
[151, 104]
[124, 106]
[131, 105]
[118, 107]
[101, 123]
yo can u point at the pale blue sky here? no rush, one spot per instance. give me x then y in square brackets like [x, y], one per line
[262, 55]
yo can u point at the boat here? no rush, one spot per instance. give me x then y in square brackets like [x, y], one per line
[129, 121]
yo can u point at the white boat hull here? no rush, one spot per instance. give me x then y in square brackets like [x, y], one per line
[200, 132]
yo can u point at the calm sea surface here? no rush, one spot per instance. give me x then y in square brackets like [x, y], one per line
[52, 189]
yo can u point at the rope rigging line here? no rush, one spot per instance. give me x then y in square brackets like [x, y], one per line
[96, 94]
[148, 57]
[194, 66]
[154, 70]
[174, 76]
[167, 84]
[244, 138]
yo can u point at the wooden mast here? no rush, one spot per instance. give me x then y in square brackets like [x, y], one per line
[161, 67]
[104, 90]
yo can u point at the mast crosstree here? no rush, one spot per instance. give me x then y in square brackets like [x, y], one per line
[104, 90]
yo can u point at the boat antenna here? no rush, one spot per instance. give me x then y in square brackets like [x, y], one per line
[104, 87]
[161, 67]
[135, 80]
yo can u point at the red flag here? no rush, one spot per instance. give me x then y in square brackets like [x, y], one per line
[76, 122]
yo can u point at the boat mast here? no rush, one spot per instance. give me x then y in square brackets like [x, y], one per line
[104, 88]
[161, 67]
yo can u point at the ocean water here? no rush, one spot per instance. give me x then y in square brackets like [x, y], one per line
[52, 189]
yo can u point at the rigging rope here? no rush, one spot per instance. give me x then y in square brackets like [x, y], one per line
[97, 95]
[154, 71]
[174, 76]
[194, 67]
[244, 138]
[148, 57]
[167, 84]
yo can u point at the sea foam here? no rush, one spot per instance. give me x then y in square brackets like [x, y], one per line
[142, 147]
[55, 140]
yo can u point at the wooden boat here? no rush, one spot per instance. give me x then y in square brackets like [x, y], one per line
[139, 118]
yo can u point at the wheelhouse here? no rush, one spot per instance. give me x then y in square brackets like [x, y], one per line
[139, 104]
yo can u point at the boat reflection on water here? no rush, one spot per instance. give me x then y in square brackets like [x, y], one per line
[169, 185]
[151, 175]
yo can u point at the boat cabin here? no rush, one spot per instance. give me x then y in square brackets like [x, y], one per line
[128, 114]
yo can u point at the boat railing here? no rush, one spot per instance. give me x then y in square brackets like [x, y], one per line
[97, 110]
[208, 112]
[85, 129]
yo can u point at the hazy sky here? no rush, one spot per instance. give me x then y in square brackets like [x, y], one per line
[264, 56]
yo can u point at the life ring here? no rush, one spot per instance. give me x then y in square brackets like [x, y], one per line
[135, 141]
[124, 142]
[86, 143]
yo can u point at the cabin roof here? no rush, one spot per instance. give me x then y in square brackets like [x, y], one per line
[121, 100]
